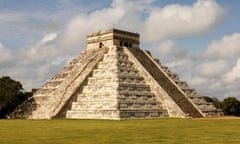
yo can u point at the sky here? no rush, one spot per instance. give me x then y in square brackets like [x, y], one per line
[197, 39]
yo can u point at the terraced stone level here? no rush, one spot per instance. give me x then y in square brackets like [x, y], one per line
[115, 79]
[116, 91]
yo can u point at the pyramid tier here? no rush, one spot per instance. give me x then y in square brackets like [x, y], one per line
[133, 114]
[93, 114]
[114, 79]
[119, 80]
[207, 108]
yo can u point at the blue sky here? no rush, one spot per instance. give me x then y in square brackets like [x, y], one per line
[198, 39]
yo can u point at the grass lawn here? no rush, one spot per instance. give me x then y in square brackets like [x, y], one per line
[155, 131]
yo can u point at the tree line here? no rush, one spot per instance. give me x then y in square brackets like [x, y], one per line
[12, 94]
[229, 105]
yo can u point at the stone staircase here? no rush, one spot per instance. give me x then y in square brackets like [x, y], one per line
[50, 99]
[207, 108]
[114, 79]
[116, 91]
[192, 99]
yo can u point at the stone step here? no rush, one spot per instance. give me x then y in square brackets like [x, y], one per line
[134, 87]
[181, 83]
[143, 106]
[157, 61]
[68, 68]
[136, 98]
[52, 84]
[118, 55]
[115, 70]
[101, 80]
[200, 101]
[103, 72]
[165, 68]
[59, 77]
[44, 91]
[143, 109]
[127, 70]
[103, 97]
[192, 95]
[103, 64]
[132, 84]
[136, 76]
[131, 114]
[123, 96]
[124, 62]
[114, 114]
[93, 114]
[125, 92]
[40, 98]
[91, 105]
[99, 88]
[213, 112]
[94, 97]
[173, 76]
[130, 79]
[189, 91]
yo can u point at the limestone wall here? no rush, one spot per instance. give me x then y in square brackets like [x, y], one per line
[116, 90]
[167, 84]
[162, 96]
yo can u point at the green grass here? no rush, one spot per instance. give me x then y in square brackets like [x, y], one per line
[155, 131]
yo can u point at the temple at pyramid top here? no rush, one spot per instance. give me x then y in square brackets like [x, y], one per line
[114, 79]
[112, 37]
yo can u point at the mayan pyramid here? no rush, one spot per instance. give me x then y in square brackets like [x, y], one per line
[115, 79]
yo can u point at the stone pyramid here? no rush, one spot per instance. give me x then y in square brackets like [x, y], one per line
[115, 79]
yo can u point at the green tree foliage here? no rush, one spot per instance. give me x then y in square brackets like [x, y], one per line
[231, 106]
[11, 95]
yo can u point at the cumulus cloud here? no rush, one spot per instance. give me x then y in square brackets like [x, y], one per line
[234, 74]
[179, 20]
[213, 72]
[217, 76]
[198, 81]
[49, 37]
[168, 50]
[80, 26]
[123, 14]
[213, 68]
[227, 47]
[5, 56]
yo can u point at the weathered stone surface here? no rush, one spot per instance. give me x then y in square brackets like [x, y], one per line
[114, 79]
[115, 85]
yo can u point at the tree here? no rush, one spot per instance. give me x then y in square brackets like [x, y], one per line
[217, 103]
[231, 106]
[11, 95]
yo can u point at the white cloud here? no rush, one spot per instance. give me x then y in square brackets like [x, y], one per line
[53, 46]
[218, 76]
[227, 47]
[234, 74]
[168, 50]
[122, 14]
[80, 26]
[213, 68]
[49, 37]
[198, 81]
[179, 20]
[5, 56]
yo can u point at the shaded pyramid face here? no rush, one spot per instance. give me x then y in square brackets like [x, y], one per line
[114, 79]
